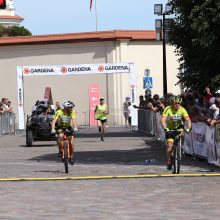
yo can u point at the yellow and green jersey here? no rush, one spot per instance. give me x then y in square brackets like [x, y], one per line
[100, 112]
[175, 118]
[63, 118]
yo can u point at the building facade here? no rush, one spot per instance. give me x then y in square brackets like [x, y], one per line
[119, 46]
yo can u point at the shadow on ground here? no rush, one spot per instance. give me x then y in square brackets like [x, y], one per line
[152, 151]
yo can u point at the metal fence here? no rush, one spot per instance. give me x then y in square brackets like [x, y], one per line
[115, 117]
[7, 123]
[147, 122]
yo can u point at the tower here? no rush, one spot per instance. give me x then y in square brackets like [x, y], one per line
[8, 16]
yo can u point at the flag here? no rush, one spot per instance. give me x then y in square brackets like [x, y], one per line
[90, 5]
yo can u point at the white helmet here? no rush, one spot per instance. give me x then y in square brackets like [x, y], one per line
[68, 104]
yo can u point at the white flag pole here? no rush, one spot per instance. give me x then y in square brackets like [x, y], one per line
[96, 15]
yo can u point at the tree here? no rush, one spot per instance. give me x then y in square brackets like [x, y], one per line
[196, 35]
[13, 31]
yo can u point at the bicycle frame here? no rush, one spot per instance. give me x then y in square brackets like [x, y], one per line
[65, 140]
[177, 150]
[66, 151]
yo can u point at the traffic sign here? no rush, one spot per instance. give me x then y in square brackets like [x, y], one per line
[148, 82]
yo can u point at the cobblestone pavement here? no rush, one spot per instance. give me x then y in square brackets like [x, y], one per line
[122, 153]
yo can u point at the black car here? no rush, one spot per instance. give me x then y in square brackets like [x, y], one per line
[38, 125]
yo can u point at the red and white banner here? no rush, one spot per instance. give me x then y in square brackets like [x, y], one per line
[94, 94]
[63, 70]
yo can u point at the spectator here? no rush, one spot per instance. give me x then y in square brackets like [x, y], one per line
[215, 118]
[160, 105]
[129, 115]
[9, 109]
[167, 98]
[156, 97]
[151, 105]
[207, 93]
[142, 103]
[5, 102]
[1, 108]
[57, 106]
[125, 110]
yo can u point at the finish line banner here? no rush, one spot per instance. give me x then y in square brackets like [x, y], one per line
[64, 70]
[75, 69]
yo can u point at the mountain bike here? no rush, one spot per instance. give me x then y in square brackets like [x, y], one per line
[66, 148]
[177, 150]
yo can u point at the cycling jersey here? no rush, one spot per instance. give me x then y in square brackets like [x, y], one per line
[100, 112]
[64, 118]
[175, 117]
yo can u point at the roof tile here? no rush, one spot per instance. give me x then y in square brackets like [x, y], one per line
[82, 37]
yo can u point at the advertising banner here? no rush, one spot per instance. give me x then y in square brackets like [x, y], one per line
[217, 143]
[20, 94]
[94, 96]
[75, 69]
[210, 145]
[62, 70]
[188, 143]
[198, 135]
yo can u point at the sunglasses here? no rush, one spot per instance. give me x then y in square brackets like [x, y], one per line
[177, 103]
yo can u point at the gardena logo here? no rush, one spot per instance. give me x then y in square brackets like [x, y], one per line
[43, 70]
[26, 70]
[20, 103]
[115, 68]
[101, 68]
[79, 69]
[64, 69]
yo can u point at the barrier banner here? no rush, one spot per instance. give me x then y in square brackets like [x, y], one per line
[188, 143]
[198, 136]
[210, 145]
[217, 144]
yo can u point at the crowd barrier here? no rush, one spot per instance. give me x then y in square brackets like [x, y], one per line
[7, 123]
[203, 141]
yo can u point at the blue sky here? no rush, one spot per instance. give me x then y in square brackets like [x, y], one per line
[66, 16]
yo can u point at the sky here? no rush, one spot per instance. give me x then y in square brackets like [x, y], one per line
[68, 16]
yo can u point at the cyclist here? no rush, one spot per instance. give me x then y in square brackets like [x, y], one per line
[101, 112]
[65, 118]
[173, 118]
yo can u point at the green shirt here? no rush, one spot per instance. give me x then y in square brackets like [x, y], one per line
[64, 118]
[101, 112]
[175, 118]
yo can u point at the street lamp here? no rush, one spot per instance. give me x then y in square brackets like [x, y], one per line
[161, 25]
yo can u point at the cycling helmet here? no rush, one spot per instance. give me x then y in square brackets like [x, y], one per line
[68, 104]
[176, 99]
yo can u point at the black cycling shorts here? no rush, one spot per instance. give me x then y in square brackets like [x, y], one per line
[102, 121]
[170, 136]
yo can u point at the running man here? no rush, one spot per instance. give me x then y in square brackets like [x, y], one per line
[101, 112]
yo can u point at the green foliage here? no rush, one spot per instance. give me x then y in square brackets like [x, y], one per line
[13, 31]
[196, 35]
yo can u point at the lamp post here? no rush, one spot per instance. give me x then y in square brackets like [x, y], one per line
[161, 25]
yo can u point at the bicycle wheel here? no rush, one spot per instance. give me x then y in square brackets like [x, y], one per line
[177, 159]
[66, 156]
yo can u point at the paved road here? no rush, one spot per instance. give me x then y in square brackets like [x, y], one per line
[122, 153]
